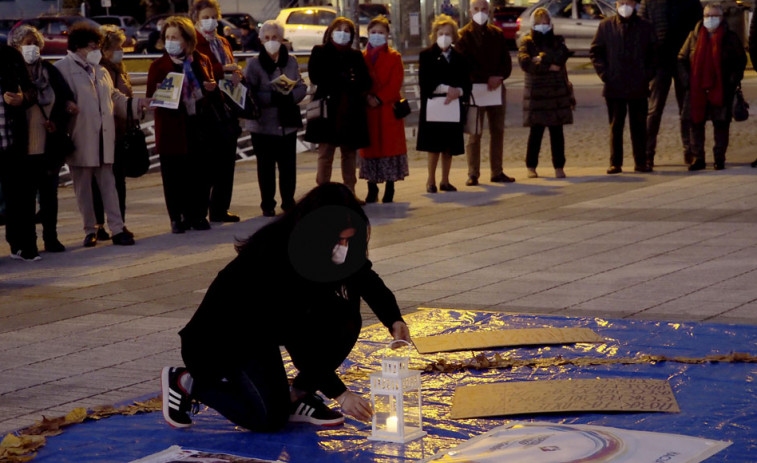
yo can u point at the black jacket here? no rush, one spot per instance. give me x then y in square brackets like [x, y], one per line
[623, 54]
[63, 94]
[14, 77]
[672, 21]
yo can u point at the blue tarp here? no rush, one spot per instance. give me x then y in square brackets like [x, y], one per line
[717, 401]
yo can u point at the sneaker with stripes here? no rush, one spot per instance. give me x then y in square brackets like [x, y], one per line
[311, 409]
[176, 385]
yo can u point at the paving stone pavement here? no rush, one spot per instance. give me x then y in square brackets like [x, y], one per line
[94, 326]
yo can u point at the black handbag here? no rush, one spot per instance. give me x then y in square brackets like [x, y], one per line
[740, 106]
[58, 143]
[401, 108]
[131, 148]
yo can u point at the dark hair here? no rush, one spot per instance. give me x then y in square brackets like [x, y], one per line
[82, 34]
[311, 229]
[336, 22]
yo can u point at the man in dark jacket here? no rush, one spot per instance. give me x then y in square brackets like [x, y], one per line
[623, 54]
[672, 21]
[485, 48]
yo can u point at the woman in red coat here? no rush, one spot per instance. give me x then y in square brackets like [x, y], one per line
[185, 137]
[385, 160]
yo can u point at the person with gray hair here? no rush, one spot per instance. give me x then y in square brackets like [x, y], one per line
[273, 79]
[41, 160]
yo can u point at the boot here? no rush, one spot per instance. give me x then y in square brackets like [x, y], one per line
[388, 193]
[372, 193]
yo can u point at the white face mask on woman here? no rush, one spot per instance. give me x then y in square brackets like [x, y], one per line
[272, 47]
[444, 41]
[625, 10]
[340, 37]
[377, 39]
[339, 254]
[94, 57]
[118, 56]
[208, 25]
[173, 47]
[31, 53]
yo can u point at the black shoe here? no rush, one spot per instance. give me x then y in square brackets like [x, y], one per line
[642, 169]
[54, 245]
[177, 227]
[123, 239]
[614, 170]
[90, 240]
[697, 165]
[754, 163]
[311, 409]
[502, 178]
[28, 255]
[720, 165]
[269, 212]
[287, 206]
[472, 181]
[128, 232]
[177, 403]
[373, 191]
[227, 217]
[431, 189]
[388, 193]
[102, 235]
[447, 187]
[201, 224]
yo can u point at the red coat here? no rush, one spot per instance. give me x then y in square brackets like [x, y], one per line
[203, 46]
[386, 131]
[171, 124]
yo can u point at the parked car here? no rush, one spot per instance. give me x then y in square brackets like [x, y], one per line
[238, 19]
[225, 28]
[304, 26]
[506, 18]
[127, 24]
[55, 31]
[576, 20]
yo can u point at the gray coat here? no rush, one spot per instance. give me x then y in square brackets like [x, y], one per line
[258, 81]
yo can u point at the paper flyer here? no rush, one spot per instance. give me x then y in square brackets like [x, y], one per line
[176, 454]
[482, 96]
[168, 93]
[437, 111]
[236, 94]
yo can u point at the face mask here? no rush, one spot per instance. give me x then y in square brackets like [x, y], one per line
[31, 53]
[543, 28]
[625, 10]
[339, 254]
[377, 40]
[118, 56]
[272, 47]
[94, 57]
[444, 41]
[480, 18]
[711, 22]
[340, 37]
[173, 47]
[208, 25]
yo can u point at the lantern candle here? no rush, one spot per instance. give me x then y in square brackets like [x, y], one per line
[391, 424]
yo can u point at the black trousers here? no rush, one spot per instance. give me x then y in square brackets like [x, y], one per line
[636, 109]
[556, 140]
[19, 189]
[185, 187]
[658, 96]
[97, 199]
[721, 132]
[221, 170]
[270, 151]
[46, 177]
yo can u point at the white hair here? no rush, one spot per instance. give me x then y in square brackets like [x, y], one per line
[271, 24]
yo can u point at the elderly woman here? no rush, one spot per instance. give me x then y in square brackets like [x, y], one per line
[341, 78]
[112, 60]
[42, 161]
[205, 14]
[547, 99]
[385, 159]
[274, 81]
[93, 131]
[711, 64]
[185, 137]
[442, 74]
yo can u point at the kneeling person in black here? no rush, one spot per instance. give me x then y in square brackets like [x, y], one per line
[296, 282]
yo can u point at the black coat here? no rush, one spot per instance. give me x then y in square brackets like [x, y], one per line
[434, 69]
[14, 77]
[623, 54]
[342, 78]
[672, 22]
[733, 62]
[63, 94]
[547, 98]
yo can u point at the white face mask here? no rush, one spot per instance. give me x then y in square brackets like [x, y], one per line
[711, 22]
[543, 28]
[480, 18]
[272, 47]
[340, 37]
[118, 56]
[377, 39]
[31, 53]
[625, 10]
[444, 41]
[173, 47]
[94, 57]
[339, 254]
[208, 25]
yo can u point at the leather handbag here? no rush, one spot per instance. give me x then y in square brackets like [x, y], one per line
[316, 114]
[401, 108]
[59, 142]
[131, 147]
[740, 106]
[473, 123]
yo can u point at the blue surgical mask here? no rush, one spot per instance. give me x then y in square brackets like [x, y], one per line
[377, 39]
[543, 28]
[340, 37]
[208, 25]
[173, 47]
[711, 22]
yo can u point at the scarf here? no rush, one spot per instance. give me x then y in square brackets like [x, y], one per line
[706, 73]
[373, 52]
[216, 47]
[191, 90]
[41, 80]
[269, 65]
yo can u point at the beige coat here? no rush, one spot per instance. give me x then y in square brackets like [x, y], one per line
[97, 104]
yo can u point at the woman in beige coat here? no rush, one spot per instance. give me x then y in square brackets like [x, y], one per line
[93, 131]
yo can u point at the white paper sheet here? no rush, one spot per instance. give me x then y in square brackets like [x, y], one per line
[482, 96]
[437, 111]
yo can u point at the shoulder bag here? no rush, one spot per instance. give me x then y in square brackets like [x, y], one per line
[401, 108]
[740, 106]
[58, 143]
[131, 148]
[473, 123]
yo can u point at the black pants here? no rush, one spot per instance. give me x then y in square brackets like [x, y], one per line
[97, 199]
[659, 90]
[46, 176]
[637, 117]
[185, 187]
[221, 171]
[271, 150]
[721, 131]
[19, 189]
[556, 140]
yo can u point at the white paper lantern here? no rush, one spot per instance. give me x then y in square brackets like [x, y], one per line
[396, 401]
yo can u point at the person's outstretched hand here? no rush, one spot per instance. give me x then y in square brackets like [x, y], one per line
[354, 405]
[400, 331]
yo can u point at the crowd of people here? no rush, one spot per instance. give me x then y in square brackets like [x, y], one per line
[73, 111]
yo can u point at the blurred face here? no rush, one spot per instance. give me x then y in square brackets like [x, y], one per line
[29, 40]
[541, 20]
[174, 34]
[270, 33]
[207, 13]
[345, 236]
[116, 47]
[378, 29]
[342, 27]
[84, 51]
[479, 6]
